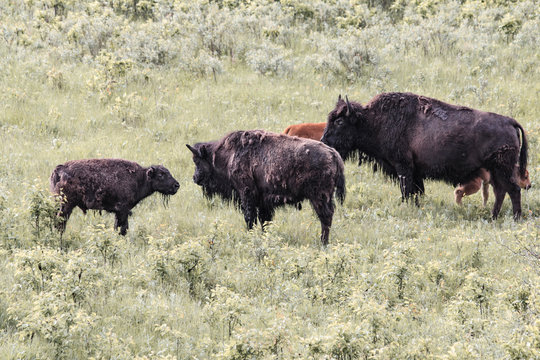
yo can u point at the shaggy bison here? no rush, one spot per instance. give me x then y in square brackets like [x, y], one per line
[261, 171]
[482, 181]
[308, 130]
[414, 137]
[113, 185]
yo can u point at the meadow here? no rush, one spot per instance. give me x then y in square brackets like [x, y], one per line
[140, 79]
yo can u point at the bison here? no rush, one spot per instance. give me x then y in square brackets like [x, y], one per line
[308, 130]
[260, 171]
[113, 185]
[415, 137]
[483, 182]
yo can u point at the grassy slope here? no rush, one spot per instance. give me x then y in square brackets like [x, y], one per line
[438, 281]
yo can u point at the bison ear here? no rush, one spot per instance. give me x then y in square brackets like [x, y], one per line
[151, 172]
[203, 152]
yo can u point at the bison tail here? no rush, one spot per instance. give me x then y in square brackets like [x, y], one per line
[523, 154]
[340, 186]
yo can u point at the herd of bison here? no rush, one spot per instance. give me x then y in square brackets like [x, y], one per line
[408, 137]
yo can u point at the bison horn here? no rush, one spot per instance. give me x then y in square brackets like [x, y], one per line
[348, 105]
[193, 150]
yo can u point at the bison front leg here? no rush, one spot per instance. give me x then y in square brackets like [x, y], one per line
[63, 216]
[249, 209]
[265, 214]
[121, 221]
[409, 184]
[406, 185]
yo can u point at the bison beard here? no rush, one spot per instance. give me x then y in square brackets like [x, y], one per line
[261, 171]
[414, 137]
[113, 185]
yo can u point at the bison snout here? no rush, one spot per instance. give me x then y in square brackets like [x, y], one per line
[197, 179]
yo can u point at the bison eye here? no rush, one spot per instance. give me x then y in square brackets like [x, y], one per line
[338, 122]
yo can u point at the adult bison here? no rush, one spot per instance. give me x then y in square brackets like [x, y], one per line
[307, 130]
[414, 137]
[113, 185]
[261, 171]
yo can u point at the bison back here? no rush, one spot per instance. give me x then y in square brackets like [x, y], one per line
[96, 183]
[289, 166]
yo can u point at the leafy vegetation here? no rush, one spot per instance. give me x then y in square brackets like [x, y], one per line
[140, 79]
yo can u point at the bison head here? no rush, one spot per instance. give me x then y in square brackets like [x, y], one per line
[208, 174]
[161, 180]
[341, 130]
[203, 165]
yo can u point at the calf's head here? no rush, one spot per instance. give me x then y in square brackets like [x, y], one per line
[524, 181]
[341, 130]
[161, 180]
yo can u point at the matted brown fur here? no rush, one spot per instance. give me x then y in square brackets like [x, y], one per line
[113, 185]
[415, 137]
[261, 171]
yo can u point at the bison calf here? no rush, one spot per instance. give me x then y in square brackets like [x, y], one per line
[113, 185]
[261, 171]
[482, 181]
[308, 130]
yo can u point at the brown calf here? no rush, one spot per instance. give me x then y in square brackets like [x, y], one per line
[308, 130]
[483, 182]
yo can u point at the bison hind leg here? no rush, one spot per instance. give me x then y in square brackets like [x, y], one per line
[501, 186]
[121, 221]
[325, 211]
[503, 181]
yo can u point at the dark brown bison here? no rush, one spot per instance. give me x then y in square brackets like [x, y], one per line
[308, 130]
[113, 185]
[261, 171]
[414, 137]
[482, 181]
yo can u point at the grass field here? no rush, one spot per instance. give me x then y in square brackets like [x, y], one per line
[106, 79]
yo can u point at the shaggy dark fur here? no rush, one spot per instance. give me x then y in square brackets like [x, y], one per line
[261, 171]
[113, 185]
[414, 137]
